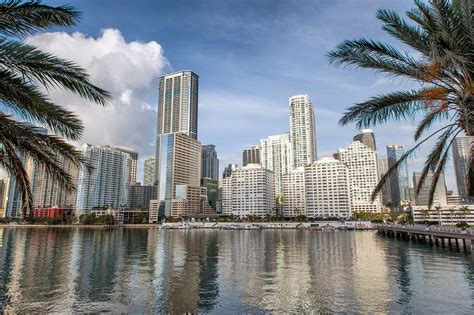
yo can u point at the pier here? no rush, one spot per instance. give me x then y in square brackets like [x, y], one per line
[442, 236]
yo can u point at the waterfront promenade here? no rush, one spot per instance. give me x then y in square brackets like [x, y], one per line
[434, 235]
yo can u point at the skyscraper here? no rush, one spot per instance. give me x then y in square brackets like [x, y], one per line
[209, 162]
[461, 153]
[422, 197]
[251, 156]
[229, 169]
[178, 163]
[178, 153]
[399, 187]
[108, 184]
[382, 169]
[366, 136]
[302, 130]
[178, 103]
[149, 172]
[362, 164]
[133, 162]
[4, 185]
[275, 155]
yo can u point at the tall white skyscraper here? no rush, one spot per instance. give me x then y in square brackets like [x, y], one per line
[302, 130]
[327, 188]
[461, 152]
[133, 162]
[107, 185]
[275, 155]
[362, 164]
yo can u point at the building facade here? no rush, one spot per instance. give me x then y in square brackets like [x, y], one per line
[133, 162]
[178, 163]
[461, 153]
[327, 189]
[361, 162]
[209, 162]
[302, 130]
[108, 184]
[229, 169]
[367, 137]
[275, 155]
[139, 196]
[178, 103]
[251, 156]
[149, 172]
[293, 191]
[422, 197]
[4, 187]
[225, 199]
[212, 191]
[385, 194]
[399, 186]
[251, 191]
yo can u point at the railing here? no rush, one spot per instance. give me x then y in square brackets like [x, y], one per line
[428, 228]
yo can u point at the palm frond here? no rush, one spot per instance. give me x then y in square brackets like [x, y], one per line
[19, 19]
[49, 70]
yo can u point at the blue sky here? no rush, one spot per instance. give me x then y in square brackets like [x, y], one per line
[251, 56]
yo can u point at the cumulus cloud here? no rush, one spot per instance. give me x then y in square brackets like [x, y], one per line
[128, 70]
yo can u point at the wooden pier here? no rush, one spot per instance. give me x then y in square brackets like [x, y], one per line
[460, 239]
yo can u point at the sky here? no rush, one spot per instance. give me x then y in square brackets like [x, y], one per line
[250, 55]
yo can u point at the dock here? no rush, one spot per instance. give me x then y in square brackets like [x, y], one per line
[441, 236]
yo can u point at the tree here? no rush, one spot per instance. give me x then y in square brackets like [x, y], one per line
[441, 71]
[425, 213]
[438, 211]
[25, 72]
[451, 214]
[465, 211]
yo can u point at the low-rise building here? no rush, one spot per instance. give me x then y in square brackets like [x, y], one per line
[444, 214]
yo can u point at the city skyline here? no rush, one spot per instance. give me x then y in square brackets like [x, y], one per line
[247, 106]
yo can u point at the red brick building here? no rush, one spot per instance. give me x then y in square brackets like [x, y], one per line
[51, 212]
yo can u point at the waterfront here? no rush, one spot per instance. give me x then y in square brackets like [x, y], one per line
[149, 270]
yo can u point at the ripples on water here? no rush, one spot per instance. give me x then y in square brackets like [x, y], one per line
[148, 270]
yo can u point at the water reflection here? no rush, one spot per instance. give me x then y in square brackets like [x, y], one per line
[147, 270]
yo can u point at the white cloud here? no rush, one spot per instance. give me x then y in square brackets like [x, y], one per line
[128, 70]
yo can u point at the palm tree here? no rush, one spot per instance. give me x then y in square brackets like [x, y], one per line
[25, 72]
[425, 213]
[438, 211]
[441, 70]
[465, 211]
[451, 214]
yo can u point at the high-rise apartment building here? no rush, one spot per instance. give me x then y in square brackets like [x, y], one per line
[362, 164]
[293, 191]
[178, 163]
[366, 136]
[108, 184]
[149, 172]
[49, 193]
[229, 169]
[209, 162]
[275, 155]
[302, 130]
[133, 162]
[461, 153]
[382, 169]
[178, 103]
[422, 198]
[327, 189]
[225, 196]
[251, 156]
[399, 186]
[4, 186]
[251, 191]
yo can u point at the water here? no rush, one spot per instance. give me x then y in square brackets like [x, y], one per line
[146, 270]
